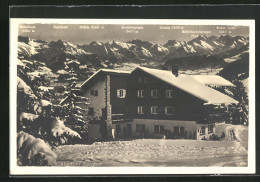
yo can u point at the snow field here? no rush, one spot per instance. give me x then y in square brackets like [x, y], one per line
[147, 152]
[156, 152]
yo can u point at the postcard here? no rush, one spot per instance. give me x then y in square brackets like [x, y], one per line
[132, 96]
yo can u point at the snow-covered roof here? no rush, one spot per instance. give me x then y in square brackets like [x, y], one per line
[212, 80]
[107, 71]
[194, 85]
[116, 71]
[90, 78]
[190, 85]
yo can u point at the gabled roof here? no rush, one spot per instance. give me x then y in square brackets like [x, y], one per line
[116, 71]
[214, 80]
[108, 71]
[85, 82]
[190, 85]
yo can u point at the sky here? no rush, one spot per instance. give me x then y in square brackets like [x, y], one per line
[86, 33]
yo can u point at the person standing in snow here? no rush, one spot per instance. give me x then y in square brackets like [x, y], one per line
[230, 133]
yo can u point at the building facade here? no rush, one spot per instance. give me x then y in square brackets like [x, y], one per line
[152, 103]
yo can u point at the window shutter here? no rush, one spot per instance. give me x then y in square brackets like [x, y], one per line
[124, 93]
[118, 93]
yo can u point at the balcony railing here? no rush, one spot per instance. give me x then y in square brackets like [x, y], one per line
[120, 118]
[217, 117]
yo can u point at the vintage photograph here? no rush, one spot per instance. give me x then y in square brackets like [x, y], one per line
[132, 93]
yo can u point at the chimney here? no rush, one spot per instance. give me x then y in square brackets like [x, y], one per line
[175, 70]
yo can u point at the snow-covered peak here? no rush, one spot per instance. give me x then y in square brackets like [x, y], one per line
[203, 37]
[160, 48]
[68, 48]
[123, 45]
[206, 45]
[146, 52]
[95, 43]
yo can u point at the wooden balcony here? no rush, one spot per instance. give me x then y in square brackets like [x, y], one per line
[217, 117]
[120, 118]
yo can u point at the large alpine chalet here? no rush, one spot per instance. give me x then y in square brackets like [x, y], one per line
[153, 103]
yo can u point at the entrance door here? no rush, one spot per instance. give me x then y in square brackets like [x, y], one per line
[129, 130]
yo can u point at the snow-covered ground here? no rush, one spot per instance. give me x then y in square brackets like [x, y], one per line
[156, 152]
[241, 133]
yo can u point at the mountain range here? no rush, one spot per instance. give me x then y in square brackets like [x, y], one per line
[69, 60]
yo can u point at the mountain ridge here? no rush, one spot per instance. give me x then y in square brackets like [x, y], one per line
[200, 52]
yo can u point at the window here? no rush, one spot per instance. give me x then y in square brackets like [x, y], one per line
[210, 128]
[169, 93]
[178, 130]
[140, 80]
[140, 128]
[140, 109]
[202, 130]
[154, 109]
[91, 111]
[140, 93]
[94, 92]
[121, 93]
[154, 93]
[169, 110]
[158, 129]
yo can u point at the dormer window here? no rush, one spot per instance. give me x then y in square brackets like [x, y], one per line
[154, 93]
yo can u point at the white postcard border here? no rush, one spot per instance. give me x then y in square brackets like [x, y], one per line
[21, 170]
